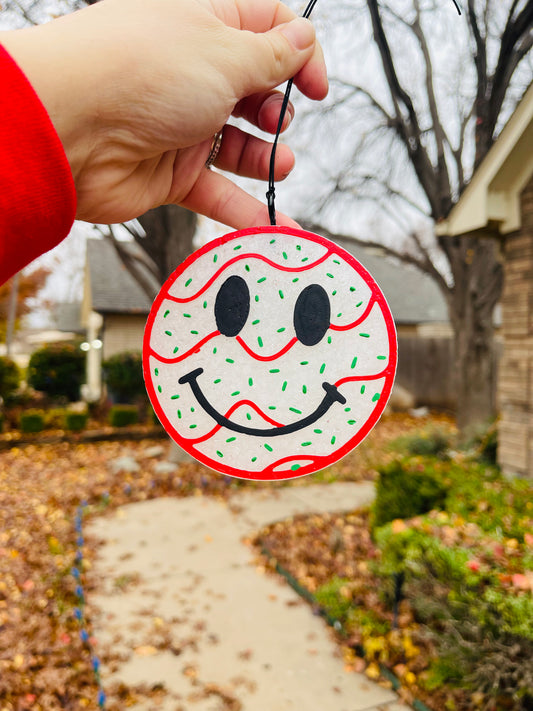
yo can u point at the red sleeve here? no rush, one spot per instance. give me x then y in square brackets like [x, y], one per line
[37, 195]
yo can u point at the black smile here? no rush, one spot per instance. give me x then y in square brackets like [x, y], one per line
[332, 395]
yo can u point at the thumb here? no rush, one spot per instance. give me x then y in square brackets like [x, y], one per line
[275, 56]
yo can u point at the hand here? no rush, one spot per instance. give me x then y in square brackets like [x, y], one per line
[136, 90]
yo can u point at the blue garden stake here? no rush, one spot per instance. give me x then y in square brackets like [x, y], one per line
[78, 611]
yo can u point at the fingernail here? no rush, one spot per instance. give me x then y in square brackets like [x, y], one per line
[300, 33]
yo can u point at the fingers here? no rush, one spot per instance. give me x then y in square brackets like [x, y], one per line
[263, 110]
[216, 197]
[268, 59]
[249, 156]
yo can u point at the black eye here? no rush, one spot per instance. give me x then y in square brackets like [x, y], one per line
[312, 315]
[232, 306]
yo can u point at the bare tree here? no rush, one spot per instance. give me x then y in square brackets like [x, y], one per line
[441, 127]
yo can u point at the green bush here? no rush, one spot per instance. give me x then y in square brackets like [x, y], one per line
[123, 415]
[434, 442]
[124, 376]
[54, 418]
[76, 421]
[9, 378]
[57, 370]
[32, 421]
[405, 489]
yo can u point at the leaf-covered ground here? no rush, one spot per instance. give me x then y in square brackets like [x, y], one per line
[44, 664]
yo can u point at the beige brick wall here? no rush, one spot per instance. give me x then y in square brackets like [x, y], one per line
[515, 450]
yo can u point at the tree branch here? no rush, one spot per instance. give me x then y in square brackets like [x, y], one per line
[132, 265]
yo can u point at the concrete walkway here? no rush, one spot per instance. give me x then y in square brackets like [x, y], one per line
[183, 606]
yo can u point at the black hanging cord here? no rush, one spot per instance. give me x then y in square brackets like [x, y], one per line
[271, 193]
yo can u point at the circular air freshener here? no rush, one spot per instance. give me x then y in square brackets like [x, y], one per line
[270, 353]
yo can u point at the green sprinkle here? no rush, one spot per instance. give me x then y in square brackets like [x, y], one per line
[363, 388]
[169, 333]
[259, 281]
[274, 370]
[247, 267]
[205, 304]
[260, 341]
[293, 409]
[271, 407]
[187, 315]
[217, 381]
[304, 362]
[166, 313]
[176, 349]
[330, 275]
[322, 368]
[351, 422]
[231, 439]
[219, 453]
[175, 397]
[156, 371]
[280, 330]
[267, 446]
[272, 241]
[306, 444]
[334, 292]
[194, 333]
[364, 335]
[188, 282]
[192, 427]
[256, 297]
[382, 357]
[295, 280]
[250, 382]
[179, 414]
[237, 392]
[339, 315]
[192, 409]
[376, 397]
[281, 296]
[317, 431]
[329, 339]
[358, 305]
[298, 247]
[295, 467]
[237, 247]
[333, 439]
[159, 389]
[254, 459]
[354, 362]
[215, 257]
[284, 386]
[254, 323]
[352, 288]
[230, 360]
[304, 389]
[347, 409]
[336, 261]
[305, 259]
[214, 351]
[248, 416]
[284, 254]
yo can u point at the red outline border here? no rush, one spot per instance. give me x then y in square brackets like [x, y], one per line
[319, 462]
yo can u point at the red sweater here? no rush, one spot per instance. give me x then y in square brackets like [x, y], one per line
[37, 195]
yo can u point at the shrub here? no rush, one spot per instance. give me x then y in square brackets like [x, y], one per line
[434, 442]
[9, 378]
[76, 421]
[54, 418]
[57, 370]
[124, 376]
[32, 421]
[403, 490]
[123, 415]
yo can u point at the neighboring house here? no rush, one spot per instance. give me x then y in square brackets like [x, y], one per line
[115, 309]
[498, 202]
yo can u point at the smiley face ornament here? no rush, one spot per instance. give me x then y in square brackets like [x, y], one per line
[269, 354]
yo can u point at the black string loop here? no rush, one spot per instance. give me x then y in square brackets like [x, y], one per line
[271, 192]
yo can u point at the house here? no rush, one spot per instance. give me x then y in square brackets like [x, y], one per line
[498, 202]
[115, 309]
